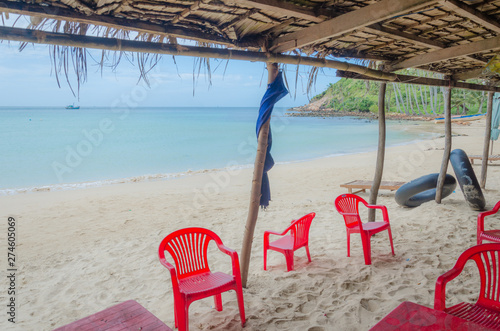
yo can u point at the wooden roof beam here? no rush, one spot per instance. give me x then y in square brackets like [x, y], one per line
[121, 45]
[348, 22]
[425, 21]
[388, 32]
[63, 14]
[406, 79]
[482, 3]
[471, 13]
[448, 53]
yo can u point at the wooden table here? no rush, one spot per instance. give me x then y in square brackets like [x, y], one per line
[128, 315]
[412, 316]
[364, 185]
[491, 158]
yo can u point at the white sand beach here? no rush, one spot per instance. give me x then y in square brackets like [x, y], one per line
[81, 251]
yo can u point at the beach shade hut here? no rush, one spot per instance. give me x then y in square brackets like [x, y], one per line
[454, 38]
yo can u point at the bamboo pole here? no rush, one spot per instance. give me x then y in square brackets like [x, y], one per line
[447, 144]
[487, 137]
[253, 209]
[377, 179]
[113, 44]
[424, 81]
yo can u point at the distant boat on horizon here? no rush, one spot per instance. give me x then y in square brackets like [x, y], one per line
[72, 107]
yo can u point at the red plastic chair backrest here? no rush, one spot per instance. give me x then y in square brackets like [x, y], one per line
[188, 247]
[481, 216]
[300, 230]
[487, 258]
[349, 204]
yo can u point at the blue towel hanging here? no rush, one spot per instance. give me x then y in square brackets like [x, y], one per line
[275, 92]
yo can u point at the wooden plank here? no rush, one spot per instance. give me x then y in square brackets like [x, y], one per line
[424, 81]
[346, 23]
[448, 53]
[473, 14]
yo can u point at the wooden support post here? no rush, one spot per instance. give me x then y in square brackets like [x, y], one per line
[487, 137]
[447, 144]
[253, 210]
[381, 151]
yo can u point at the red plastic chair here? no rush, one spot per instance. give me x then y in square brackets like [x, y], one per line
[348, 206]
[490, 235]
[191, 277]
[298, 237]
[486, 311]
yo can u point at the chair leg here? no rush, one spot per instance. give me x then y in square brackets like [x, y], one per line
[307, 251]
[241, 304]
[289, 260]
[218, 302]
[390, 239]
[182, 316]
[175, 315]
[348, 244]
[367, 249]
[265, 258]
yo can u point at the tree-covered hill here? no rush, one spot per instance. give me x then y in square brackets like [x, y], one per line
[357, 95]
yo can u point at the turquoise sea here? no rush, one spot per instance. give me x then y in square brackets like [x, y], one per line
[63, 148]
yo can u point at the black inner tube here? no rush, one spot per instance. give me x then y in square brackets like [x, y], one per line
[467, 179]
[423, 189]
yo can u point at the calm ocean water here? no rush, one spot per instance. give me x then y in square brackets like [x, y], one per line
[86, 147]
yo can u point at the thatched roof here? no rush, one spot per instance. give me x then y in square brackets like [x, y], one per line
[450, 37]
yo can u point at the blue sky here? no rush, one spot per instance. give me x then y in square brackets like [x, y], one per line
[27, 79]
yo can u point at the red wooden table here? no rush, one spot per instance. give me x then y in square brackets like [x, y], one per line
[128, 315]
[412, 316]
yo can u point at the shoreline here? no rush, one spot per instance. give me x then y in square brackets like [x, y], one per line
[303, 111]
[177, 175]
